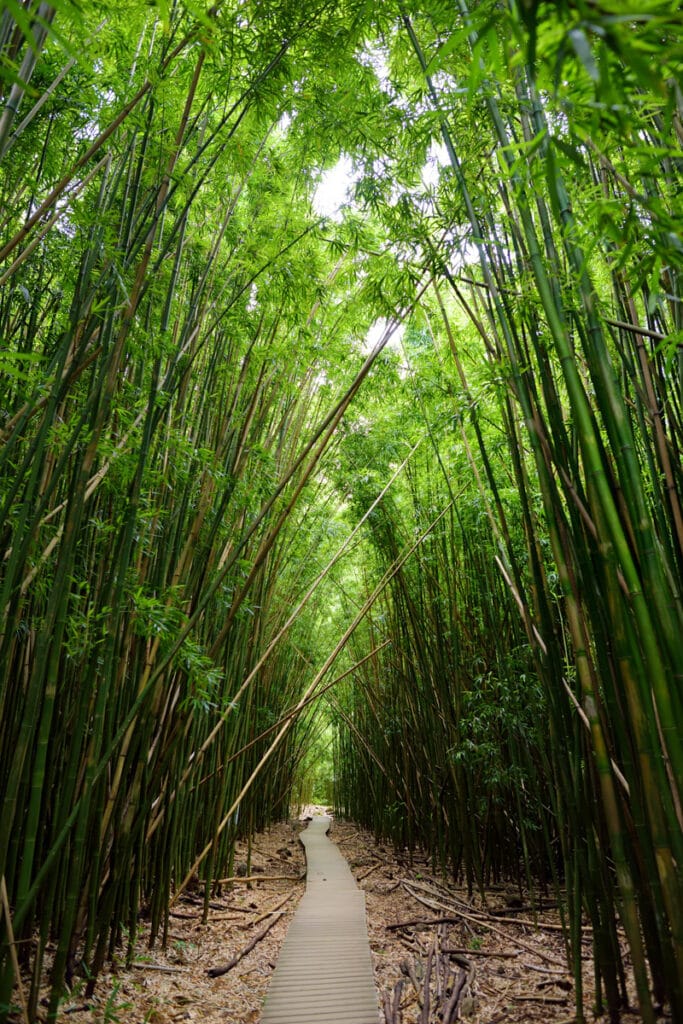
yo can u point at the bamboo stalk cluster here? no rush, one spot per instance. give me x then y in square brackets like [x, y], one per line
[575, 296]
[163, 411]
[179, 357]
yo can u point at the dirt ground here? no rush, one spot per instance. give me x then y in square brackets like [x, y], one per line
[487, 966]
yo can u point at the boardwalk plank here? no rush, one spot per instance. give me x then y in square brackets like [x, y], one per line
[324, 972]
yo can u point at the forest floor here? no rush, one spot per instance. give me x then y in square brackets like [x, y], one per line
[482, 965]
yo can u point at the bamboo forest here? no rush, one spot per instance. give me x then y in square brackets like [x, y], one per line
[341, 419]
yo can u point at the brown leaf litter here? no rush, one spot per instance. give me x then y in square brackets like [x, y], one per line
[438, 955]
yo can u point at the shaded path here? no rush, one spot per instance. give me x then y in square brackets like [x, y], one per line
[324, 972]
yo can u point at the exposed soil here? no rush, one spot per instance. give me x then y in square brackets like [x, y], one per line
[506, 970]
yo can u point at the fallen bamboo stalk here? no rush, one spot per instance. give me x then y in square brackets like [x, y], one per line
[540, 909]
[525, 923]
[267, 913]
[482, 953]
[475, 916]
[199, 902]
[359, 878]
[414, 922]
[483, 923]
[545, 970]
[160, 967]
[432, 889]
[261, 878]
[550, 1000]
[436, 906]
[217, 972]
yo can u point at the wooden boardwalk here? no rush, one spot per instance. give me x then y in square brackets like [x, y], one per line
[324, 972]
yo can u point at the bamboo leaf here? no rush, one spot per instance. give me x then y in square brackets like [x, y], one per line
[582, 49]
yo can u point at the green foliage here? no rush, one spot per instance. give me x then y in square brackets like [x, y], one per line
[190, 432]
[314, 783]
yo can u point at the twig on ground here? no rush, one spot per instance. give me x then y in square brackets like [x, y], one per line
[549, 1000]
[483, 922]
[540, 909]
[347, 839]
[423, 922]
[261, 878]
[546, 970]
[267, 913]
[227, 917]
[379, 864]
[486, 953]
[162, 968]
[217, 972]
[536, 925]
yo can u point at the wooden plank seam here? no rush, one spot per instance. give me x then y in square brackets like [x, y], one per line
[324, 972]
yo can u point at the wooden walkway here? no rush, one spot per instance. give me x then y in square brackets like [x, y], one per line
[324, 972]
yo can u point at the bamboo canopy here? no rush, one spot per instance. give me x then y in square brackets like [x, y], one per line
[386, 491]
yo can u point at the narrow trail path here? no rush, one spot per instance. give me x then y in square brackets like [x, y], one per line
[324, 972]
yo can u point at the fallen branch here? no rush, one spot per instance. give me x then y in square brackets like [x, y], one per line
[261, 878]
[545, 970]
[544, 925]
[482, 952]
[347, 839]
[416, 922]
[484, 919]
[379, 864]
[540, 908]
[217, 972]
[267, 913]
[483, 923]
[431, 888]
[549, 1000]
[434, 905]
[160, 967]
[199, 902]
